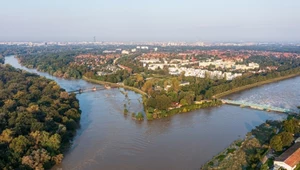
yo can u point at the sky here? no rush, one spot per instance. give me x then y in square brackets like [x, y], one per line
[151, 20]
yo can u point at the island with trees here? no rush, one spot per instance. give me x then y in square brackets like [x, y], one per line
[38, 120]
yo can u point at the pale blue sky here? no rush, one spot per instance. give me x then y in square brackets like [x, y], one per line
[151, 20]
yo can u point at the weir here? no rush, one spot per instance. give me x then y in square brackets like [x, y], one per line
[92, 89]
[257, 106]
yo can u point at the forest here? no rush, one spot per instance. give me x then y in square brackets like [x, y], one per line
[56, 64]
[38, 120]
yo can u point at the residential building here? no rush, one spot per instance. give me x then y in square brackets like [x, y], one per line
[289, 159]
[125, 52]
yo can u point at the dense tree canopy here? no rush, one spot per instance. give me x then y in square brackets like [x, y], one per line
[37, 120]
[286, 136]
[57, 64]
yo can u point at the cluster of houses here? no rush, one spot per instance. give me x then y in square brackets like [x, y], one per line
[177, 66]
[99, 63]
[229, 64]
[203, 73]
[107, 70]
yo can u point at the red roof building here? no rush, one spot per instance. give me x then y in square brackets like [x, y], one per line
[290, 158]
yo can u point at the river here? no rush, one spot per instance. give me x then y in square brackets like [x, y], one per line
[109, 140]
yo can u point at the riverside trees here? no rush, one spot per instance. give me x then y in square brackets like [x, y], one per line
[37, 120]
[286, 136]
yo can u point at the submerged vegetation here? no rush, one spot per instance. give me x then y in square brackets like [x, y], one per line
[37, 120]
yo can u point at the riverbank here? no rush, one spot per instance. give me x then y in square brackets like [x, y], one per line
[114, 85]
[259, 148]
[226, 93]
[248, 153]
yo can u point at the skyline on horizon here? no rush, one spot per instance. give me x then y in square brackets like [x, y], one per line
[155, 21]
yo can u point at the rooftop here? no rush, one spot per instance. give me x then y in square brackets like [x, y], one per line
[291, 156]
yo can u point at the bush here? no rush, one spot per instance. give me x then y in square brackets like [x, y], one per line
[149, 116]
[125, 112]
[230, 150]
[221, 158]
[139, 116]
[133, 114]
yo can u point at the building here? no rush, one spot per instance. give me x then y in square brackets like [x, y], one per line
[144, 47]
[125, 52]
[289, 159]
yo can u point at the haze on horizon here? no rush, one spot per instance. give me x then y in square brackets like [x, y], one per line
[155, 20]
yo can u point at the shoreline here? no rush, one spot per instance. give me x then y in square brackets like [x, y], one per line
[250, 86]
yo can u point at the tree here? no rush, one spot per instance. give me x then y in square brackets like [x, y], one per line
[139, 79]
[291, 125]
[19, 144]
[36, 159]
[6, 136]
[139, 116]
[281, 140]
[58, 158]
[162, 102]
[183, 102]
[64, 95]
[147, 85]
[286, 138]
[54, 142]
[276, 143]
[73, 113]
[89, 74]
[33, 108]
[10, 104]
[151, 102]
[175, 85]
[173, 96]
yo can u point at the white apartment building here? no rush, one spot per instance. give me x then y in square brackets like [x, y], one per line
[125, 52]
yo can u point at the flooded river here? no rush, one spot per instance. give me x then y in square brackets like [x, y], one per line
[109, 140]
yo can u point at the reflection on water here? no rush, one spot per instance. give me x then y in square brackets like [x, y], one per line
[110, 140]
